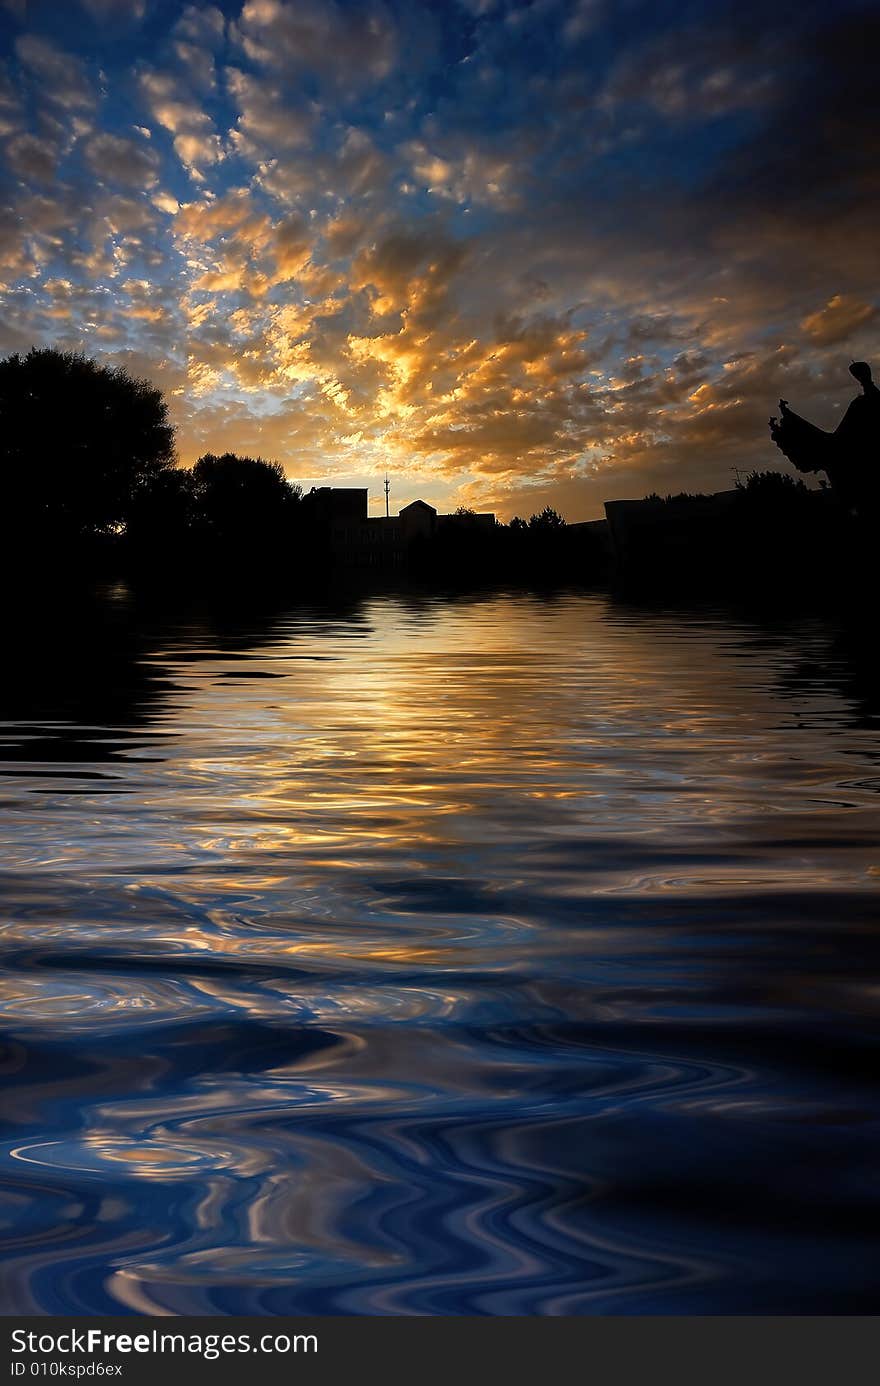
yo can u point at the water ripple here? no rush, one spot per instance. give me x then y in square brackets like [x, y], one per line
[498, 955]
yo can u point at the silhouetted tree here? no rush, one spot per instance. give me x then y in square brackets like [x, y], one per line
[78, 443]
[784, 510]
[547, 519]
[163, 512]
[771, 485]
[243, 500]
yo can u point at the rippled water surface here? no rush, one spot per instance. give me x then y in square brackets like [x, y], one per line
[495, 955]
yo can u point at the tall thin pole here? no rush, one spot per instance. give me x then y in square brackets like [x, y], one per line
[387, 492]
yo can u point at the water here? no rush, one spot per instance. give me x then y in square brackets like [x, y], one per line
[501, 955]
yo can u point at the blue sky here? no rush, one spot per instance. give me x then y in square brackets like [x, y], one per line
[515, 253]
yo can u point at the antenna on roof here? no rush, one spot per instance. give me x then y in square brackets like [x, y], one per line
[387, 493]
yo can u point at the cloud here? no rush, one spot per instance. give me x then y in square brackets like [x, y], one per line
[343, 234]
[31, 157]
[15, 258]
[202, 24]
[583, 19]
[841, 318]
[198, 63]
[198, 36]
[397, 267]
[11, 111]
[470, 176]
[293, 242]
[172, 104]
[117, 159]
[165, 202]
[103, 10]
[349, 166]
[62, 76]
[345, 46]
[699, 70]
[268, 122]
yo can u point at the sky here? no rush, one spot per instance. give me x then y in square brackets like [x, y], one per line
[514, 252]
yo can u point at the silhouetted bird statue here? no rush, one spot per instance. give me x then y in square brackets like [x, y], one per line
[850, 456]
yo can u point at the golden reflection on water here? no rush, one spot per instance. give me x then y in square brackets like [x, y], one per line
[417, 732]
[440, 740]
[414, 734]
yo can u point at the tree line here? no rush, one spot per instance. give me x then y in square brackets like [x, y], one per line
[90, 466]
[92, 484]
[88, 453]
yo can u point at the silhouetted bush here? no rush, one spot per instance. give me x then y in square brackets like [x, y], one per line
[677, 498]
[541, 549]
[772, 491]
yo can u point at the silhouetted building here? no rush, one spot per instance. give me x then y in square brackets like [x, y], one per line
[594, 536]
[769, 534]
[337, 505]
[338, 517]
[664, 534]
